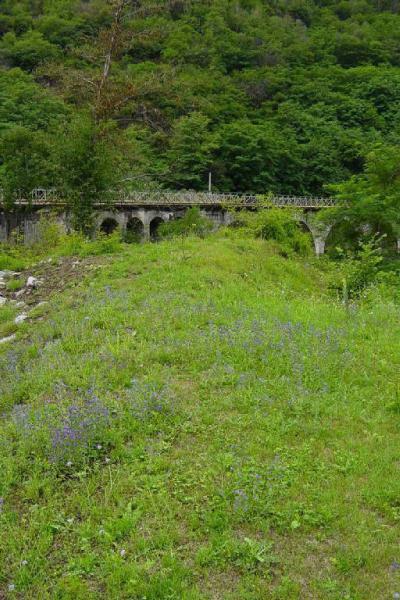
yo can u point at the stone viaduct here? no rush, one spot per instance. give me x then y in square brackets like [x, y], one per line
[139, 214]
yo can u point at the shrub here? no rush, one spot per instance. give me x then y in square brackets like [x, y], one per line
[14, 257]
[365, 268]
[76, 244]
[10, 259]
[359, 270]
[104, 244]
[275, 224]
[48, 234]
[72, 244]
[192, 223]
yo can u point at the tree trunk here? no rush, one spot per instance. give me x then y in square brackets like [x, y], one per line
[112, 46]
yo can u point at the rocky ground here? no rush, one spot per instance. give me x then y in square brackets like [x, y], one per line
[32, 288]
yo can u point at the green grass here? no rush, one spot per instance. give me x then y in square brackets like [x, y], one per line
[237, 434]
[13, 285]
[11, 262]
[7, 325]
[53, 242]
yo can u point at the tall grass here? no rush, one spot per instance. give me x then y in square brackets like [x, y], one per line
[207, 425]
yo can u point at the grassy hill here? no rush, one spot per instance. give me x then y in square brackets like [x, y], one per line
[201, 420]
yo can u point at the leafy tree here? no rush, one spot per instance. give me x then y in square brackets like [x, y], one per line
[371, 201]
[257, 157]
[60, 31]
[88, 167]
[27, 162]
[24, 102]
[28, 51]
[189, 155]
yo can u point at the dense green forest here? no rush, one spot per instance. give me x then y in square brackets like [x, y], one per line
[269, 95]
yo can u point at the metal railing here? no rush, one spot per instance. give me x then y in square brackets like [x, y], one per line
[37, 197]
[120, 198]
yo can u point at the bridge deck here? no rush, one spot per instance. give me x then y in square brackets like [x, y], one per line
[159, 198]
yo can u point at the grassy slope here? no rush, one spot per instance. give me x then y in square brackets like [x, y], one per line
[269, 467]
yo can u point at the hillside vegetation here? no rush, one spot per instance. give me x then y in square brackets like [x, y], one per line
[277, 95]
[197, 420]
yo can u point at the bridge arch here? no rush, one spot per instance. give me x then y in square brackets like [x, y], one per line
[134, 230]
[342, 234]
[345, 234]
[108, 226]
[154, 226]
[109, 221]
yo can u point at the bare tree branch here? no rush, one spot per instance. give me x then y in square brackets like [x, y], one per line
[120, 6]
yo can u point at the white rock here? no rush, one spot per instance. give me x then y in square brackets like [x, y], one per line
[19, 304]
[32, 282]
[20, 319]
[19, 293]
[2, 301]
[10, 338]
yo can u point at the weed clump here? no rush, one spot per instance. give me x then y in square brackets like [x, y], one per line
[275, 224]
[192, 223]
[65, 434]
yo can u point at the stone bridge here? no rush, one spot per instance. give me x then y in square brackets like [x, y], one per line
[139, 214]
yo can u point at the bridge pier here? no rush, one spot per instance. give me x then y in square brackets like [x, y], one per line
[146, 232]
[3, 228]
[319, 230]
[319, 245]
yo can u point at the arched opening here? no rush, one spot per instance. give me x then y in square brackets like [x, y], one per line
[134, 230]
[301, 238]
[344, 236]
[306, 230]
[154, 225]
[108, 226]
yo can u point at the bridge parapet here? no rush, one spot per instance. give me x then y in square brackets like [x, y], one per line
[37, 197]
[119, 198]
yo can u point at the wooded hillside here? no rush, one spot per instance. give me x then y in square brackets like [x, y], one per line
[280, 95]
